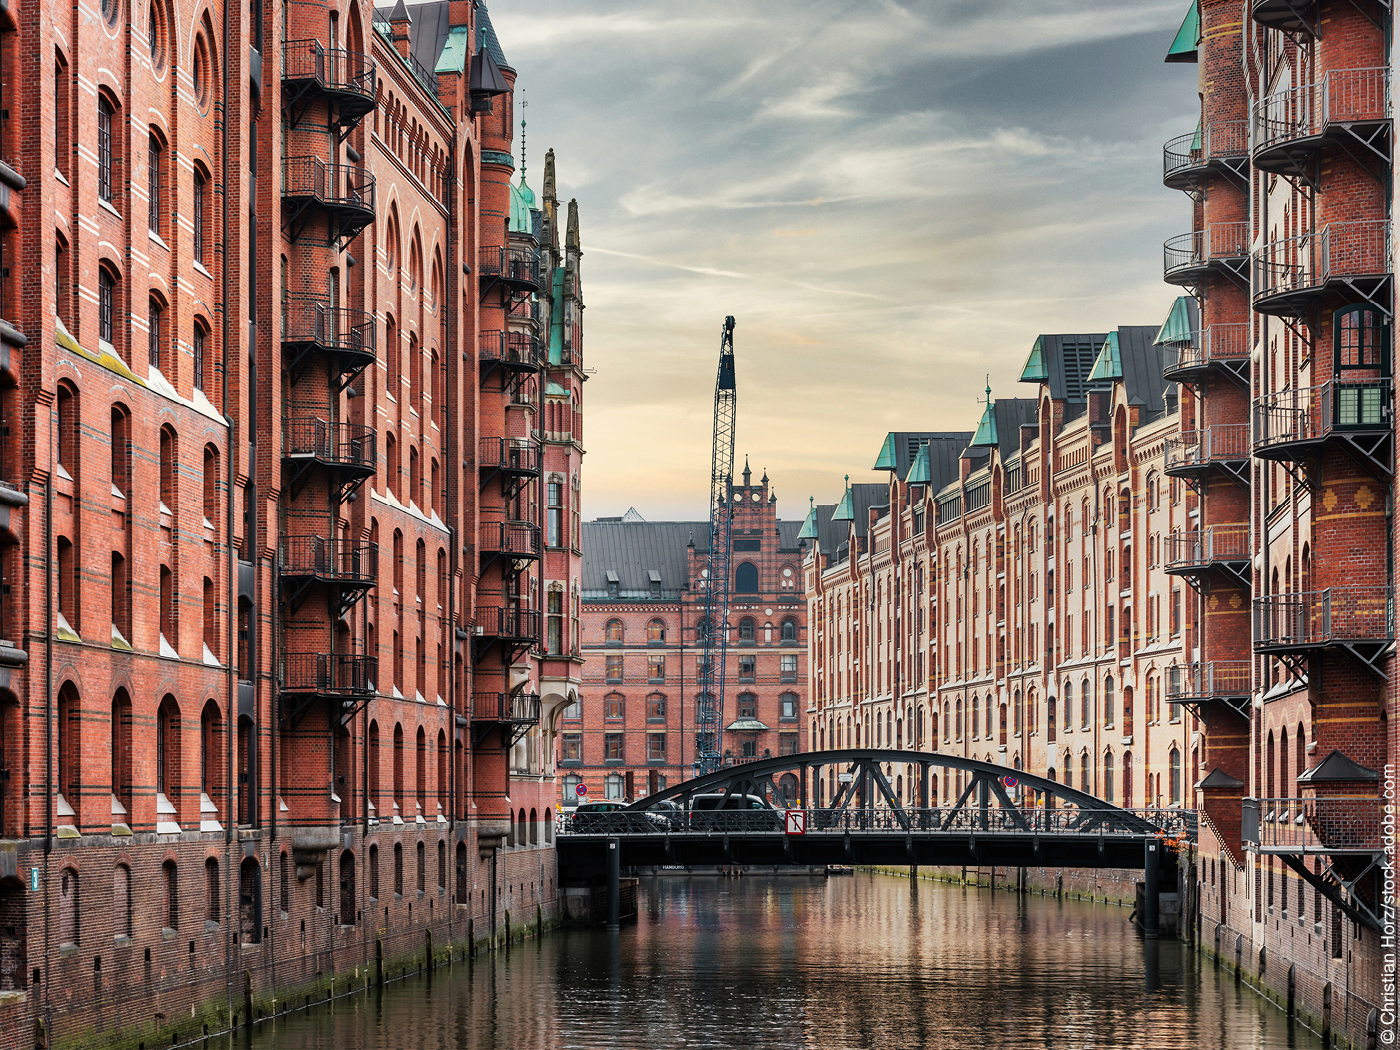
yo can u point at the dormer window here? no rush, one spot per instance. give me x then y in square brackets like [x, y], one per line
[612, 584]
[654, 578]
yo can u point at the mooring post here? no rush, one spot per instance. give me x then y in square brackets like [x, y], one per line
[1151, 876]
[614, 885]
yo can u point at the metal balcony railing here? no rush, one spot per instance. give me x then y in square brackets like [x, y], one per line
[507, 621]
[1315, 619]
[1187, 255]
[1342, 96]
[508, 708]
[339, 444]
[1314, 825]
[517, 349]
[316, 322]
[1303, 265]
[1201, 548]
[344, 185]
[517, 538]
[1216, 344]
[1196, 150]
[1310, 414]
[329, 674]
[1196, 449]
[517, 263]
[1192, 683]
[515, 455]
[346, 561]
[332, 68]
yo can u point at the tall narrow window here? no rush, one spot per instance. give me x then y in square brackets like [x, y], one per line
[167, 470]
[197, 203]
[154, 156]
[104, 149]
[62, 140]
[555, 521]
[156, 334]
[106, 295]
[201, 338]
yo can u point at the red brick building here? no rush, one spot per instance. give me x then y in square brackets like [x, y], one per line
[282, 336]
[633, 730]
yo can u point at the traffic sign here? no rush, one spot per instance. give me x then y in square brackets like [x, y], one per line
[796, 822]
[581, 790]
[845, 778]
[1010, 782]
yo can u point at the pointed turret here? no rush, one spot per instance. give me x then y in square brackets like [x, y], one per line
[571, 236]
[401, 24]
[549, 177]
[748, 474]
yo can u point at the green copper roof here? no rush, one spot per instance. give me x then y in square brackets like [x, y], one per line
[522, 202]
[1176, 329]
[918, 470]
[1036, 370]
[886, 459]
[1183, 48]
[986, 436]
[1109, 364]
[455, 51]
[809, 527]
[844, 510]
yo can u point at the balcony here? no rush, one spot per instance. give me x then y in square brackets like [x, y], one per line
[343, 79]
[1223, 448]
[500, 622]
[512, 460]
[514, 541]
[307, 677]
[1221, 250]
[515, 351]
[1223, 548]
[348, 566]
[1346, 258]
[1220, 348]
[342, 193]
[1349, 107]
[1197, 685]
[1357, 620]
[347, 451]
[1292, 425]
[515, 713]
[1221, 146]
[1291, 16]
[313, 326]
[516, 268]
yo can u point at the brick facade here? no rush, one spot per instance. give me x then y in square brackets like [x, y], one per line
[633, 732]
[290, 387]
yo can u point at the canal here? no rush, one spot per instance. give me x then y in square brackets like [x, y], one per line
[865, 961]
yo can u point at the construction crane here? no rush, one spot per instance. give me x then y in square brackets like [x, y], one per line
[714, 633]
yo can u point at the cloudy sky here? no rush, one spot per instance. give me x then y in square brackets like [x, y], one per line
[892, 198]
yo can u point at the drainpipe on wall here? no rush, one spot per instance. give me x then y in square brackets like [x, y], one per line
[231, 581]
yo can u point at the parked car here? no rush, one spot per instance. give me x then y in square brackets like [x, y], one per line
[667, 815]
[590, 816]
[710, 812]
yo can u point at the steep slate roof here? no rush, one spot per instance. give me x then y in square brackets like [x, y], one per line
[1142, 363]
[900, 446]
[1063, 362]
[633, 549]
[486, 34]
[429, 32]
[863, 497]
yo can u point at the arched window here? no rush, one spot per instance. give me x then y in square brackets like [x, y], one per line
[1108, 776]
[1174, 776]
[170, 883]
[398, 766]
[746, 630]
[1049, 719]
[1127, 780]
[746, 578]
[1003, 726]
[1085, 783]
[612, 632]
[789, 631]
[1108, 700]
[656, 632]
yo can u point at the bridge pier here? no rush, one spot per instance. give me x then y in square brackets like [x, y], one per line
[614, 885]
[1151, 885]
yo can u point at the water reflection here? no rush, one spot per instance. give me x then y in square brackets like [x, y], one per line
[870, 961]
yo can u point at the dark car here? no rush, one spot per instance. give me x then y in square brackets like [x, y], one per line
[715, 812]
[667, 815]
[592, 816]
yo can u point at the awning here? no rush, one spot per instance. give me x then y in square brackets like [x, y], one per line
[1183, 48]
[746, 725]
[1109, 364]
[1182, 323]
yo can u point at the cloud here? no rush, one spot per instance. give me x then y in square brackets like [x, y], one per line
[892, 198]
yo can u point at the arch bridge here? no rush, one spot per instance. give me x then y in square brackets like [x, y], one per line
[1002, 817]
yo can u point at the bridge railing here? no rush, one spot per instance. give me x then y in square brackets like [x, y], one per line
[884, 820]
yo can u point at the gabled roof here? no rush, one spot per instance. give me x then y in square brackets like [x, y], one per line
[901, 447]
[1183, 47]
[1182, 324]
[632, 550]
[1140, 366]
[1337, 766]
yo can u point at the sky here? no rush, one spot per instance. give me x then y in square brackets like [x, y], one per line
[892, 198]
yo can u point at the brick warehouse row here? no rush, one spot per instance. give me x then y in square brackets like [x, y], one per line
[1168, 578]
[291, 603]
